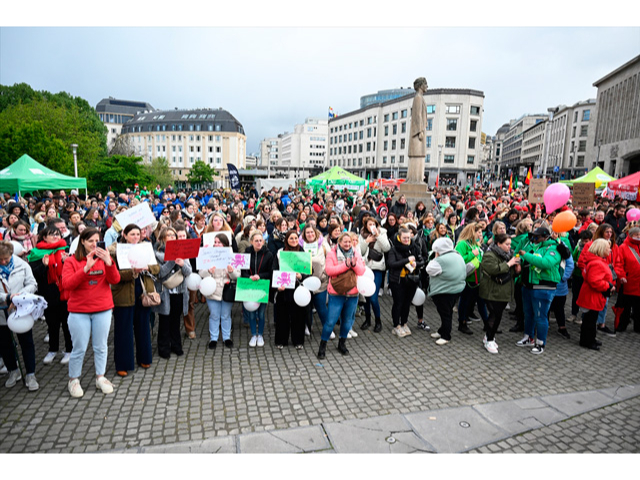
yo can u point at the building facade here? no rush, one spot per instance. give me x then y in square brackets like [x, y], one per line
[114, 113]
[373, 142]
[184, 137]
[511, 151]
[385, 95]
[533, 145]
[615, 138]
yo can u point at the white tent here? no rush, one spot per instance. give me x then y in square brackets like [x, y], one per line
[269, 183]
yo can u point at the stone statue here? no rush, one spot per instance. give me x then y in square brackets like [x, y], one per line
[418, 139]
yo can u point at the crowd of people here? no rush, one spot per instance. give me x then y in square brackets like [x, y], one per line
[466, 250]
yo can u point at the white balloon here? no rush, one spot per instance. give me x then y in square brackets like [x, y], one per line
[312, 283]
[302, 296]
[251, 306]
[17, 248]
[366, 286]
[368, 273]
[20, 324]
[419, 298]
[193, 282]
[208, 286]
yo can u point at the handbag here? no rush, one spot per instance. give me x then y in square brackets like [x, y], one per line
[149, 299]
[345, 282]
[229, 292]
[374, 255]
[502, 278]
[174, 280]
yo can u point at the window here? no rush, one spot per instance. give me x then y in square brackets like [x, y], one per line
[385, 145]
[386, 130]
[402, 143]
[470, 159]
[384, 160]
[428, 141]
[575, 117]
[450, 142]
[580, 161]
[393, 159]
[394, 116]
[393, 144]
[427, 159]
[452, 124]
[453, 109]
[394, 128]
[475, 110]
[403, 114]
[197, 138]
[361, 134]
[583, 130]
[449, 159]
[403, 127]
[573, 133]
[369, 132]
[473, 125]
[369, 120]
[429, 124]
[361, 123]
[368, 146]
[472, 142]
[386, 117]
[360, 148]
[350, 136]
[586, 115]
[582, 146]
[431, 109]
[349, 148]
[401, 158]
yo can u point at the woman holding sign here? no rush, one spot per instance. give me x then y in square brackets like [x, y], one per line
[171, 283]
[260, 268]
[131, 318]
[218, 223]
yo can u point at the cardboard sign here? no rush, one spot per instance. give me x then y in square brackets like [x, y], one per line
[283, 279]
[248, 290]
[584, 194]
[299, 262]
[219, 257]
[142, 252]
[181, 249]
[209, 238]
[240, 260]
[140, 215]
[537, 186]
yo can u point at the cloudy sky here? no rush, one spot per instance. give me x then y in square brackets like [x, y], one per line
[271, 78]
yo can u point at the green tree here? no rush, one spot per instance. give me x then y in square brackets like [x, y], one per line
[32, 139]
[117, 173]
[159, 172]
[200, 173]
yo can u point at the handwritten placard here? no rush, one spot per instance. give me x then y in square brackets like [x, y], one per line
[140, 215]
[299, 262]
[188, 248]
[141, 252]
[537, 186]
[240, 260]
[248, 290]
[583, 194]
[208, 239]
[311, 247]
[219, 257]
[283, 279]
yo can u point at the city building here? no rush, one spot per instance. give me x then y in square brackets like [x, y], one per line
[269, 152]
[183, 137]
[615, 140]
[114, 113]
[496, 155]
[384, 95]
[373, 142]
[511, 150]
[533, 145]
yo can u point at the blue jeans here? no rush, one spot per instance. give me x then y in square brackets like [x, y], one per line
[536, 305]
[320, 303]
[257, 317]
[373, 300]
[246, 316]
[81, 326]
[602, 313]
[341, 307]
[219, 317]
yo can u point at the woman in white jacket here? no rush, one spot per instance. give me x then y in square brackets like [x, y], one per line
[311, 240]
[220, 310]
[374, 244]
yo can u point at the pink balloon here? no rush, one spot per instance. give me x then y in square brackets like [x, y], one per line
[555, 196]
[633, 215]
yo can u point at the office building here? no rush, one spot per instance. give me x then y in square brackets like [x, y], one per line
[114, 113]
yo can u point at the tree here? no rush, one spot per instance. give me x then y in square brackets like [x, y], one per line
[32, 139]
[200, 173]
[159, 172]
[117, 173]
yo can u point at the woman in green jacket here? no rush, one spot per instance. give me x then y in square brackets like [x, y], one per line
[469, 247]
[499, 267]
[523, 228]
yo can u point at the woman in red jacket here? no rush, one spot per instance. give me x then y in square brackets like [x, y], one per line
[597, 287]
[628, 271]
[86, 277]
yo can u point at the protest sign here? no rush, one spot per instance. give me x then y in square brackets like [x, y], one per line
[283, 279]
[209, 238]
[141, 252]
[583, 195]
[218, 257]
[537, 186]
[248, 290]
[311, 247]
[299, 262]
[240, 260]
[140, 215]
[181, 249]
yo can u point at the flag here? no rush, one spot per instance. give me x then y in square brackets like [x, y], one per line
[515, 183]
[529, 176]
[234, 177]
[437, 180]
[510, 183]
[332, 114]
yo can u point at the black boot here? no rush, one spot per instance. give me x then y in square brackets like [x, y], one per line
[366, 324]
[342, 347]
[322, 350]
[378, 327]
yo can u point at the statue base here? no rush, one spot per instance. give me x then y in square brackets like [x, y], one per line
[416, 192]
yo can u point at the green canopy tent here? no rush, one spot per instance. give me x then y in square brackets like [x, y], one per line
[27, 175]
[597, 176]
[339, 177]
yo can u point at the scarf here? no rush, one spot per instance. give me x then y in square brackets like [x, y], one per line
[54, 250]
[24, 240]
[5, 270]
[344, 254]
[501, 254]
[278, 235]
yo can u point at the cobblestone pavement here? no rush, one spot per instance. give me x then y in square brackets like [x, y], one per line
[205, 394]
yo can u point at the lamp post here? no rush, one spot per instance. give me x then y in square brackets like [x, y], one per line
[75, 158]
[439, 158]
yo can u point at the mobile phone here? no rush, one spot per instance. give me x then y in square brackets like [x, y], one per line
[101, 245]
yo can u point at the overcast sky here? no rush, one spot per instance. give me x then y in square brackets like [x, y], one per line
[272, 78]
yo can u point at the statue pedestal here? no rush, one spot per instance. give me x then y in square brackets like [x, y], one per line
[416, 192]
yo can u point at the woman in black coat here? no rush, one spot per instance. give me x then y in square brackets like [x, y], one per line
[260, 268]
[276, 239]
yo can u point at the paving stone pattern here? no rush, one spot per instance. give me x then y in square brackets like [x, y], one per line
[205, 395]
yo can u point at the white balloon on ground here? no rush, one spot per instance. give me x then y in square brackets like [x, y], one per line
[368, 273]
[208, 286]
[17, 248]
[366, 286]
[419, 297]
[312, 283]
[193, 282]
[251, 306]
[302, 296]
[20, 324]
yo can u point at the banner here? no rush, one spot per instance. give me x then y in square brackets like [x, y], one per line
[584, 195]
[219, 257]
[299, 262]
[209, 238]
[181, 249]
[248, 290]
[140, 215]
[142, 252]
[283, 279]
[234, 177]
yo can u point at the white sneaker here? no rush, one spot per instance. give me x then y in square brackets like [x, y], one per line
[508, 307]
[3, 368]
[31, 383]
[406, 330]
[441, 341]
[14, 376]
[381, 292]
[306, 331]
[352, 333]
[253, 341]
[491, 347]
[65, 358]
[526, 342]
[103, 384]
[46, 338]
[260, 341]
[333, 335]
[74, 388]
[484, 341]
[435, 335]
[49, 357]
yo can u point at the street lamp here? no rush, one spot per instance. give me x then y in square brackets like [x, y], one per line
[439, 158]
[75, 158]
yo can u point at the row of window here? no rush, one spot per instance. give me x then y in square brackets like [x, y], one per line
[450, 142]
[191, 138]
[114, 118]
[179, 128]
[348, 163]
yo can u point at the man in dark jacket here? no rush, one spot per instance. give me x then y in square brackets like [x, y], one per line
[617, 219]
[400, 207]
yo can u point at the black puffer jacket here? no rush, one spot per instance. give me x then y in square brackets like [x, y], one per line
[399, 255]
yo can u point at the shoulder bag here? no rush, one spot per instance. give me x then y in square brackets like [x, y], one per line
[149, 299]
[345, 282]
[174, 280]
